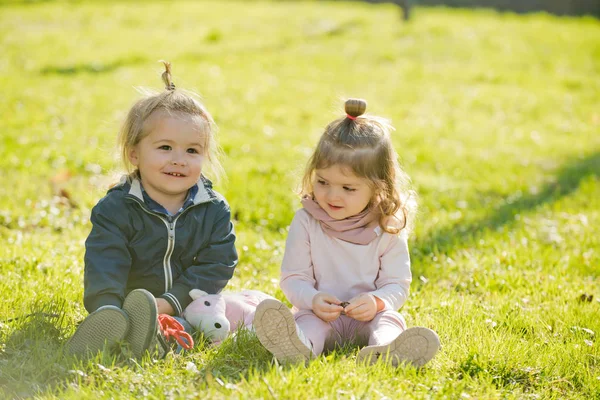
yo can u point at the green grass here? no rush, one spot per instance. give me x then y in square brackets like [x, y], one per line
[497, 119]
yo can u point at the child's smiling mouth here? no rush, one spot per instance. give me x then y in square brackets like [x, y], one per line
[175, 174]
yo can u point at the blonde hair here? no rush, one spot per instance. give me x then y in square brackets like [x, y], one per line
[363, 145]
[172, 101]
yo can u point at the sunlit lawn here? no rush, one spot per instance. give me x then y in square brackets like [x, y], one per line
[497, 119]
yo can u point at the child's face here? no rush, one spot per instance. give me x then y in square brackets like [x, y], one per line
[340, 192]
[170, 157]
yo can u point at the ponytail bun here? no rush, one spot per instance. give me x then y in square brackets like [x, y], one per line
[355, 107]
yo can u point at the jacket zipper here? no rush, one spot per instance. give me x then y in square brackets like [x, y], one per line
[170, 242]
[169, 252]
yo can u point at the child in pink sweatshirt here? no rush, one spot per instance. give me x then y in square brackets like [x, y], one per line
[346, 268]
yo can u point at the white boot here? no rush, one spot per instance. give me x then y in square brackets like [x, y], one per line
[414, 346]
[276, 329]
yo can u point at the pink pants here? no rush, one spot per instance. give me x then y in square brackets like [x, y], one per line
[383, 329]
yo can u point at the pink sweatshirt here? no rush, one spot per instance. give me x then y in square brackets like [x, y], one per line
[315, 262]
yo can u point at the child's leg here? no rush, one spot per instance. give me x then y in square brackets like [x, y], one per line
[276, 329]
[385, 327]
[317, 331]
[106, 326]
[389, 340]
[349, 330]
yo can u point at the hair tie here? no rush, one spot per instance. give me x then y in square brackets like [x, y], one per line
[166, 76]
[351, 117]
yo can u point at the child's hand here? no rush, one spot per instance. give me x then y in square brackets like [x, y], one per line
[164, 307]
[363, 307]
[326, 307]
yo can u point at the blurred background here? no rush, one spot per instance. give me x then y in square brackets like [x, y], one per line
[486, 104]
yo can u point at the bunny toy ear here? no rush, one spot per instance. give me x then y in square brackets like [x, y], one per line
[197, 293]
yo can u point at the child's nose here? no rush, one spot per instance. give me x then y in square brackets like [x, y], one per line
[333, 194]
[177, 159]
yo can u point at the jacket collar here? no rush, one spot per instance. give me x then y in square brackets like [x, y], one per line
[204, 195]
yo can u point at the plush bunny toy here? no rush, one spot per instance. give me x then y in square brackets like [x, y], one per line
[218, 314]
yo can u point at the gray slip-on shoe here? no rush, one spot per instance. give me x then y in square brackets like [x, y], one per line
[276, 329]
[140, 306]
[414, 346]
[100, 330]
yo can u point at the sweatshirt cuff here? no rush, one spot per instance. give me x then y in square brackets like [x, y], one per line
[382, 296]
[308, 297]
[178, 297]
[92, 305]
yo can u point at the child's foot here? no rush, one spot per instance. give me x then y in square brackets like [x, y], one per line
[276, 329]
[106, 326]
[144, 334]
[415, 346]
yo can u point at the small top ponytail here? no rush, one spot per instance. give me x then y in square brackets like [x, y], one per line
[355, 108]
[166, 76]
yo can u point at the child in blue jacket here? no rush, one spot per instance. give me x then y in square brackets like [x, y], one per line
[159, 233]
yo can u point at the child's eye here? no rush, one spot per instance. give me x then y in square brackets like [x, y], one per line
[321, 182]
[348, 189]
[192, 151]
[165, 147]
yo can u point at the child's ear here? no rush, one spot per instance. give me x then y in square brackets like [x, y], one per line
[133, 156]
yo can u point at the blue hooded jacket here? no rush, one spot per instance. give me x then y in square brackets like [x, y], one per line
[131, 246]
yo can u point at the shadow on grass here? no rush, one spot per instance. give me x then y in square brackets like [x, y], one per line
[567, 180]
[92, 68]
[31, 355]
[236, 356]
[242, 356]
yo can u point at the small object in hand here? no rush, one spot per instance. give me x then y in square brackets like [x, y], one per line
[344, 304]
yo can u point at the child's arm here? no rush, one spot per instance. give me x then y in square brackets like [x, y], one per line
[214, 265]
[107, 259]
[297, 275]
[393, 281]
[164, 307]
